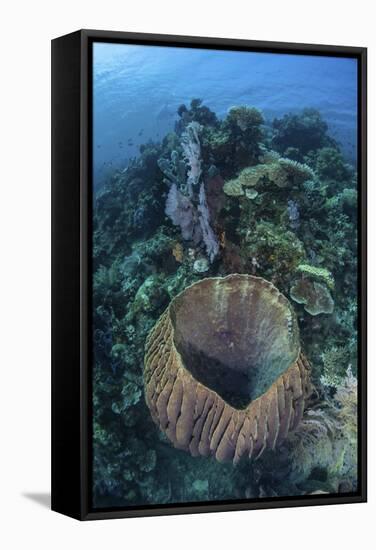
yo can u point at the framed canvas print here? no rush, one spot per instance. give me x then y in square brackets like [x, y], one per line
[209, 274]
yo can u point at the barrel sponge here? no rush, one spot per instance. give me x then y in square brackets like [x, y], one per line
[224, 374]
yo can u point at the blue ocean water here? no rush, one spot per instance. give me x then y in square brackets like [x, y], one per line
[137, 90]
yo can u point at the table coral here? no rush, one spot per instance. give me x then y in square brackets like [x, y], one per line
[315, 296]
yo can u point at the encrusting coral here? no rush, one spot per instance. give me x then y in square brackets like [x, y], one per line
[224, 373]
[143, 259]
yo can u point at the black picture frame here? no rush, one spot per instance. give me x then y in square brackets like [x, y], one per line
[71, 270]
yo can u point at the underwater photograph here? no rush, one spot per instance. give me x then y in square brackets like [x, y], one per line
[224, 275]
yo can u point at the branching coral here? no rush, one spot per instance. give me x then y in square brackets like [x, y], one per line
[278, 233]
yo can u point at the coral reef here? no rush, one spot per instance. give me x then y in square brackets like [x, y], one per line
[170, 219]
[224, 374]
